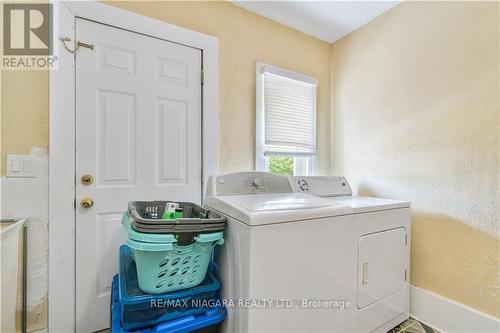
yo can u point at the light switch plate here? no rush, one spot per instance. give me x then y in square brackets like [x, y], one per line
[20, 166]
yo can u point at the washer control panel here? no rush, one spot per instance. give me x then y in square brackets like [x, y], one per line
[321, 186]
[250, 182]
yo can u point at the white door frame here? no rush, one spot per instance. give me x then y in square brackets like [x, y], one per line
[62, 135]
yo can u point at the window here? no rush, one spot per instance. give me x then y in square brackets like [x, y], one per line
[285, 121]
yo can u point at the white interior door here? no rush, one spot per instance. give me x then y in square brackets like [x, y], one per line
[138, 134]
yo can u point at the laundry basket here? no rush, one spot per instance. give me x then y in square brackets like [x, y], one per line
[140, 309]
[146, 216]
[164, 264]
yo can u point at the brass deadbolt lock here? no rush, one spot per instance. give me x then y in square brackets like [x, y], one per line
[87, 202]
[87, 179]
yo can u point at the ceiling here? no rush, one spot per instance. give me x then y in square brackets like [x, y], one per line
[326, 20]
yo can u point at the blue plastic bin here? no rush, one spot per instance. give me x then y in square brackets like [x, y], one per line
[204, 322]
[140, 309]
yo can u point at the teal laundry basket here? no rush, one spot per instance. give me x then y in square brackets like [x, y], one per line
[165, 266]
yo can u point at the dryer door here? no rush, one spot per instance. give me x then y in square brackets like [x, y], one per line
[382, 265]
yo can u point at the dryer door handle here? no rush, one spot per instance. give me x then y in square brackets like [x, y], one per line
[365, 272]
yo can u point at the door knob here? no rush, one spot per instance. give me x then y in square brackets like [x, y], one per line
[87, 202]
[87, 179]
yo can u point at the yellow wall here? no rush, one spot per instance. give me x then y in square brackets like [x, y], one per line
[25, 116]
[24, 109]
[244, 38]
[415, 96]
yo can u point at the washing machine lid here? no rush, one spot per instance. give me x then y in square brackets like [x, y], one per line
[361, 204]
[270, 208]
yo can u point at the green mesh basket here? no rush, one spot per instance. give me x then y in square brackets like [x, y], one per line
[163, 265]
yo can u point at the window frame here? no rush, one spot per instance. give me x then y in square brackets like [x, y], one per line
[261, 162]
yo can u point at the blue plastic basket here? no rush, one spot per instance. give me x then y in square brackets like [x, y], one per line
[163, 265]
[140, 309]
[203, 321]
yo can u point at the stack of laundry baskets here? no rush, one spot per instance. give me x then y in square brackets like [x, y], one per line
[166, 281]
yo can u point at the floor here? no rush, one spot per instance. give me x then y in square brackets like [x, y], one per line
[412, 326]
[409, 326]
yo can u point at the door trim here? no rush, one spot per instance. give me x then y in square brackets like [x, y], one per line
[62, 304]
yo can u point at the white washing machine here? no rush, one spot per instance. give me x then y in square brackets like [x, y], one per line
[294, 262]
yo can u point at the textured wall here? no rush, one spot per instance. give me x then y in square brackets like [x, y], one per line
[24, 106]
[244, 38]
[415, 96]
[25, 112]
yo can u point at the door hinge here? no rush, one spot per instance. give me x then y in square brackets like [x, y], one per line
[202, 76]
[74, 203]
[406, 239]
[406, 274]
[201, 175]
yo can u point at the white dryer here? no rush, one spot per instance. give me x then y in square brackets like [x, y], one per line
[294, 262]
[382, 233]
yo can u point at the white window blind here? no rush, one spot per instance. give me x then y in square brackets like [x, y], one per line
[289, 107]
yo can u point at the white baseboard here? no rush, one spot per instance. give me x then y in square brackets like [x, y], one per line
[448, 316]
